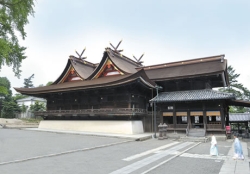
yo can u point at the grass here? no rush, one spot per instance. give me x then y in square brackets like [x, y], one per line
[31, 120]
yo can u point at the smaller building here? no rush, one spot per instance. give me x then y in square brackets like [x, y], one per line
[240, 123]
[27, 102]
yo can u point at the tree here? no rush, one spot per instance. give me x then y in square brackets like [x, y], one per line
[13, 17]
[10, 108]
[38, 106]
[240, 92]
[28, 82]
[49, 83]
[5, 90]
[18, 96]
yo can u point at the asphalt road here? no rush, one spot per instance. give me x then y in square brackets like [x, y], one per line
[29, 152]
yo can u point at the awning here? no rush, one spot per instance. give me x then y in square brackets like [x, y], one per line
[196, 113]
[181, 113]
[213, 113]
[167, 114]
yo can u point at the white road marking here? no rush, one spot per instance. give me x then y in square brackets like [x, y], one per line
[203, 156]
[152, 168]
[139, 164]
[149, 152]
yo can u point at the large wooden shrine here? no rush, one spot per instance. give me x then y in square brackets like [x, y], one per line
[119, 88]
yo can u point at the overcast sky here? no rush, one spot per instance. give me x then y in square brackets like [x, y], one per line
[165, 31]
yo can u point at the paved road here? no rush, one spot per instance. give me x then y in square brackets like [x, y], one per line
[29, 152]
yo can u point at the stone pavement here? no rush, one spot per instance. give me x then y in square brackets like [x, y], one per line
[136, 137]
[232, 166]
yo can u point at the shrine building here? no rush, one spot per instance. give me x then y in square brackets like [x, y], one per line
[120, 91]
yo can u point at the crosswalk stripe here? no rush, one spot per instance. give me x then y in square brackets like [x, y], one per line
[139, 164]
[149, 152]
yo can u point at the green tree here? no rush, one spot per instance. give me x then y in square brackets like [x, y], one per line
[13, 17]
[18, 96]
[38, 106]
[10, 108]
[240, 92]
[49, 83]
[28, 82]
[5, 90]
[23, 108]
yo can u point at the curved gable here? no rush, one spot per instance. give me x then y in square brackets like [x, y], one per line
[75, 69]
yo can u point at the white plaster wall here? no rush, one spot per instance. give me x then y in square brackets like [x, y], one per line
[119, 127]
[27, 102]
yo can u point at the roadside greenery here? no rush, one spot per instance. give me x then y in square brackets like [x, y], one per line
[9, 109]
[32, 120]
[38, 106]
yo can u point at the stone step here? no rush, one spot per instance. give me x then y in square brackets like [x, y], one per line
[196, 130]
[196, 133]
[194, 139]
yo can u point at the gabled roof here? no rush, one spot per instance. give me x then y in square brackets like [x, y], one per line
[101, 82]
[82, 67]
[188, 68]
[192, 95]
[123, 63]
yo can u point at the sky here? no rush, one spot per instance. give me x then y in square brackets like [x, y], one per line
[165, 30]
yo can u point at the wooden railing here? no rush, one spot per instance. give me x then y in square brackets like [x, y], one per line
[93, 112]
[213, 126]
[184, 126]
[170, 126]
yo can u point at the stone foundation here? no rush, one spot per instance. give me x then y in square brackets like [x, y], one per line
[111, 126]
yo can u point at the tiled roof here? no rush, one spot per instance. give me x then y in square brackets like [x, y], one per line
[234, 117]
[205, 94]
[189, 68]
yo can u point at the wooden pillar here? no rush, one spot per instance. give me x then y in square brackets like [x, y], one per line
[222, 117]
[204, 114]
[227, 116]
[188, 118]
[174, 116]
[130, 100]
[160, 114]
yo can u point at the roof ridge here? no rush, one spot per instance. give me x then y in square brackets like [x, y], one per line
[121, 56]
[185, 62]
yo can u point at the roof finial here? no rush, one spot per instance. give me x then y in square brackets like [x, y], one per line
[138, 60]
[80, 55]
[116, 48]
